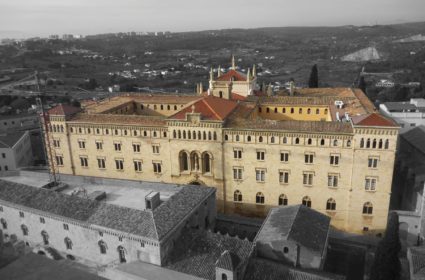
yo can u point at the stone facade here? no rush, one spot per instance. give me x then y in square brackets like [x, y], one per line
[258, 152]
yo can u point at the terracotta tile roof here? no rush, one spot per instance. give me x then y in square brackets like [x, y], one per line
[263, 269]
[210, 108]
[416, 138]
[118, 119]
[197, 251]
[237, 76]
[63, 110]
[373, 119]
[236, 96]
[154, 225]
[9, 140]
[296, 223]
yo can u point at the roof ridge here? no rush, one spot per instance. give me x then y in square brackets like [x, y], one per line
[5, 144]
[214, 112]
[293, 221]
[154, 225]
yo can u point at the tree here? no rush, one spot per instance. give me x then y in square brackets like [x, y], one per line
[313, 82]
[362, 84]
[386, 265]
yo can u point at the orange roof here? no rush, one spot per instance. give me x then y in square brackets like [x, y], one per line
[236, 96]
[210, 108]
[373, 119]
[63, 110]
[237, 76]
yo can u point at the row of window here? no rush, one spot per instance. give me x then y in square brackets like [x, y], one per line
[374, 144]
[178, 134]
[285, 140]
[333, 179]
[306, 201]
[195, 162]
[162, 107]
[292, 110]
[117, 146]
[125, 132]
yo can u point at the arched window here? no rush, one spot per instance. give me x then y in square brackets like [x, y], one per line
[141, 106]
[306, 201]
[259, 198]
[154, 107]
[335, 143]
[184, 161]
[248, 138]
[275, 110]
[374, 143]
[226, 137]
[168, 107]
[292, 110]
[145, 133]
[68, 243]
[199, 135]
[97, 130]
[175, 107]
[326, 111]
[194, 134]
[297, 140]
[309, 141]
[206, 162]
[300, 110]
[184, 134]
[259, 110]
[189, 135]
[368, 143]
[284, 140]
[24, 229]
[387, 144]
[162, 107]
[121, 253]
[180, 134]
[331, 204]
[174, 134]
[317, 111]
[272, 139]
[362, 143]
[268, 110]
[209, 135]
[367, 208]
[195, 161]
[205, 135]
[322, 142]
[3, 223]
[348, 143]
[116, 131]
[237, 138]
[260, 139]
[223, 276]
[283, 200]
[237, 196]
[308, 111]
[380, 144]
[45, 237]
[135, 133]
[214, 135]
[154, 134]
[284, 110]
[102, 247]
[62, 128]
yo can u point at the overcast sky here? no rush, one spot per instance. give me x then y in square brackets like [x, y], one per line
[23, 18]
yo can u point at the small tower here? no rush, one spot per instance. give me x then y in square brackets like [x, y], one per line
[219, 71]
[211, 74]
[233, 63]
[248, 75]
[201, 88]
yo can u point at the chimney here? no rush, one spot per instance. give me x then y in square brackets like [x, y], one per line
[291, 88]
[152, 201]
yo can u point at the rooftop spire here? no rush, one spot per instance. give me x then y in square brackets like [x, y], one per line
[219, 71]
[233, 63]
[248, 75]
[254, 71]
[211, 74]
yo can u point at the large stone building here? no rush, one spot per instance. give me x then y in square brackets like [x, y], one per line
[326, 148]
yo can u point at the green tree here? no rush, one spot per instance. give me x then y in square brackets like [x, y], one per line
[313, 82]
[386, 265]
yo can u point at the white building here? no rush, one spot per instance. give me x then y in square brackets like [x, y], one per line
[407, 114]
[21, 121]
[15, 151]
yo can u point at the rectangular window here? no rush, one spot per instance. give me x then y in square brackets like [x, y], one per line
[84, 162]
[56, 143]
[117, 147]
[82, 144]
[308, 178]
[308, 158]
[136, 148]
[65, 227]
[101, 163]
[260, 175]
[260, 155]
[99, 145]
[3, 155]
[42, 220]
[21, 214]
[137, 166]
[237, 173]
[284, 156]
[157, 168]
[155, 149]
[59, 160]
[284, 177]
[370, 183]
[119, 164]
[334, 160]
[237, 153]
[333, 180]
[372, 162]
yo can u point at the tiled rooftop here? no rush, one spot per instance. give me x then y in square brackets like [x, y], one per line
[197, 251]
[118, 119]
[10, 139]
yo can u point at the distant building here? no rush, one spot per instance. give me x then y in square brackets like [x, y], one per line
[407, 114]
[54, 37]
[20, 121]
[15, 151]
[385, 84]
